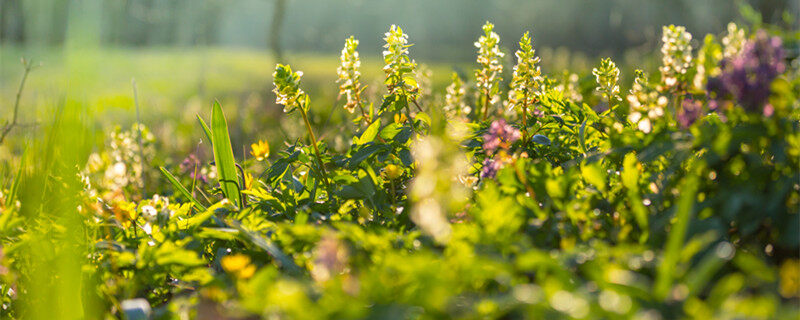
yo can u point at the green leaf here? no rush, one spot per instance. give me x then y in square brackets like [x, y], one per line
[388, 100]
[391, 130]
[227, 234]
[423, 117]
[365, 153]
[203, 125]
[582, 137]
[540, 139]
[369, 134]
[684, 210]
[630, 174]
[405, 157]
[594, 174]
[177, 184]
[630, 180]
[223, 155]
[12, 193]
[265, 244]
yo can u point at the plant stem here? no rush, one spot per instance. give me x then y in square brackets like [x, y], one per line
[486, 105]
[524, 122]
[316, 150]
[410, 120]
[414, 101]
[364, 114]
[368, 118]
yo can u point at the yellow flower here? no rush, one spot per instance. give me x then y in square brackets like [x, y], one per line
[400, 118]
[248, 181]
[238, 265]
[392, 171]
[260, 150]
[790, 278]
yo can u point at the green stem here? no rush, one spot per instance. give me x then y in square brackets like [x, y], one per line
[486, 105]
[408, 115]
[524, 122]
[316, 150]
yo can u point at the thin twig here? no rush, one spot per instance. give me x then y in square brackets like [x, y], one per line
[414, 101]
[28, 65]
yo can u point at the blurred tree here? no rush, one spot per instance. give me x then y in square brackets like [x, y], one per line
[12, 22]
[275, 30]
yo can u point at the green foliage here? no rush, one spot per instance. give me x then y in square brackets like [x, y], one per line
[591, 213]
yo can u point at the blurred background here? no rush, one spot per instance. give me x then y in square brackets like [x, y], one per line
[185, 53]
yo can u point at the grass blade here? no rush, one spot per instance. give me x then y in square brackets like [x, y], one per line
[206, 130]
[223, 155]
[684, 209]
[177, 184]
[12, 193]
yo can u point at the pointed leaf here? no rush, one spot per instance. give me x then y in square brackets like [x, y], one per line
[177, 184]
[223, 155]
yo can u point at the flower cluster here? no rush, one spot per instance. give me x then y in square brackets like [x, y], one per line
[527, 77]
[287, 88]
[349, 74]
[690, 111]
[489, 55]
[454, 105]
[676, 53]
[399, 67]
[748, 76]
[192, 166]
[607, 76]
[496, 143]
[500, 136]
[706, 63]
[646, 104]
[733, 41]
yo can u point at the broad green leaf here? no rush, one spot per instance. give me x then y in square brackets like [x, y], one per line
[390, 131]
[369, 134]
[223, 155]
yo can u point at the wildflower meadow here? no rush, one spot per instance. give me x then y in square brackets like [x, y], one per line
[401, 189]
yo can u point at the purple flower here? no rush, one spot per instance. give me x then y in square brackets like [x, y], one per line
[748, 76]
[490, 168]
[690, 111]
[500, 136]
[191, 165]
